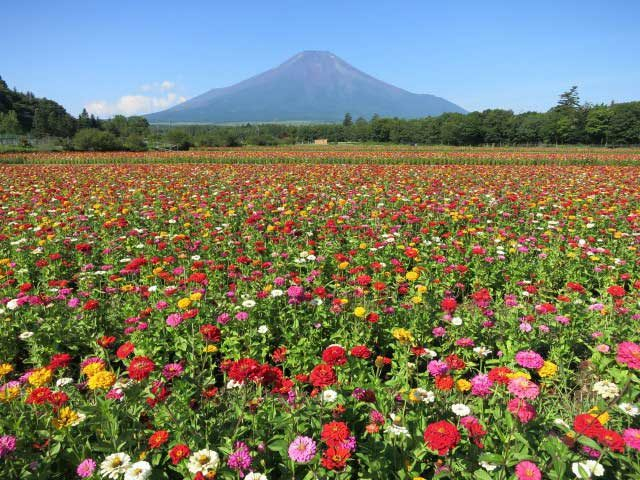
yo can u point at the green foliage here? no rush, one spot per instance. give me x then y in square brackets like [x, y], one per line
[9, 122]
[94, 139]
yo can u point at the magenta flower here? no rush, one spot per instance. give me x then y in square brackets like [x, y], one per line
[302, 449]
[526, 470]
[481, 385]
[529, 359]
[172, 370]
[86, 468]
[523, 388]
[240, 459]
[7, 445]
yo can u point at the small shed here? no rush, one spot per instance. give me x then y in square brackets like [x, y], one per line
[321, 141]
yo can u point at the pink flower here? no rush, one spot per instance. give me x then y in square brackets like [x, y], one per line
[7, 444]
[481, 385]
[631, 438]
[629, 354]
[86, 468]
[174, 319]
[523, 388]
[522, 409]
[437, 368]
[529, 359]
[302, 449]
[526, 470]
[172, 370]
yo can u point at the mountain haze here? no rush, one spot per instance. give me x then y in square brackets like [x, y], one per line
[312, 86]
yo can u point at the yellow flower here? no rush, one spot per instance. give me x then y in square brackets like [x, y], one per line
[379, 362]
[403, 335]
[93, 368]
[103, 379]
[416, 299]
[343, 265]
[359, 312]
[5, 368]
[40, 377]
[66, 418]
[9, 393]
[463, 385]
[603, 417]
[184, 303]
[549, 369]
[194, 297]
[513, 375]
[210, 349]
[421, 288]
[412, 276]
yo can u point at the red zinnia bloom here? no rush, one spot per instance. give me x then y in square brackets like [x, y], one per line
[179, 452]
[91, 305]
[39, 396]
[361, 351]
[444, 382]
[335, 458]
[159, 438]
[455, 362]
[335, 433]
[616, 291]
[211, 333]
[441, 436]
[449, 304]
[334, 355]
[587, 425]
[125, 350]
[106, 342]
[322, 375]
[59, 360]
[611, 439]
[499, 375]
[141, 367]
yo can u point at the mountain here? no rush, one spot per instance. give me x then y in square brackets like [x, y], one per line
[311, 86]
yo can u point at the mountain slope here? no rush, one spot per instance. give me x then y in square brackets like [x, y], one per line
[310, 86]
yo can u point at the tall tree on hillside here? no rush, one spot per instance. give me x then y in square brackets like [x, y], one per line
[9, 122]
[348, 121]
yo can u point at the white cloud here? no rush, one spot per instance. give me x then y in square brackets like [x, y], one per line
[137, 104]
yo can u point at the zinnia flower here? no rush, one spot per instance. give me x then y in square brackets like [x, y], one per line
[302, 449]
[526, 470]
[115, 465]
[629, 354]
[441, 436]
[86, 468]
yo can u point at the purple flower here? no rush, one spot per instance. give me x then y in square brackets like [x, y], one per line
[86, 468]
[240, 459]
[437, 368]
[302, 449]
[7, 444]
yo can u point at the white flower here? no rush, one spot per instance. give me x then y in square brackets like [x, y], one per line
[482, 351]
[276, 292]
[138, 471]
[561, 423]
[153, 288]
[460, 409]
[203, 461]
[457, 321]
[61, 382]
[422, 395]
[233, 384]
[262, 329]
[255, 476]
[629, 409]
[587, 469]
[25, 335]
[397, 430]
[12, 304]
[489, 467]
[329, 395]
[115, 465]
[316, 302]
[606, 389]
[195, 257]
[249, 303]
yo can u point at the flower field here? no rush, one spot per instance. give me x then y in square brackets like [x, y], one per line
[321, 321]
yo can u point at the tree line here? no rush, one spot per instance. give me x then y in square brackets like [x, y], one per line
[568, 122]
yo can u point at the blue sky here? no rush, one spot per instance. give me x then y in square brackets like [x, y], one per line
[136, 56]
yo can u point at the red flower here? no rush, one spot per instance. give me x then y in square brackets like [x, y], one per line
[455, 362]
[179, 452]
[211, 333]
[616, 291]
[335, 458]
[91, 305]
[322, 375]
[361, 351]
[334, 355]
[335, 433]
[59, 360]
[141, 367]
[499, 375]
[441, 436]
[159, 438]
[449, 304]
[610, 439]
[279, 355]
[587, 425]
[243, 369]
[39, 396]
[444, 382]
[575, 287]
[125, 350]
